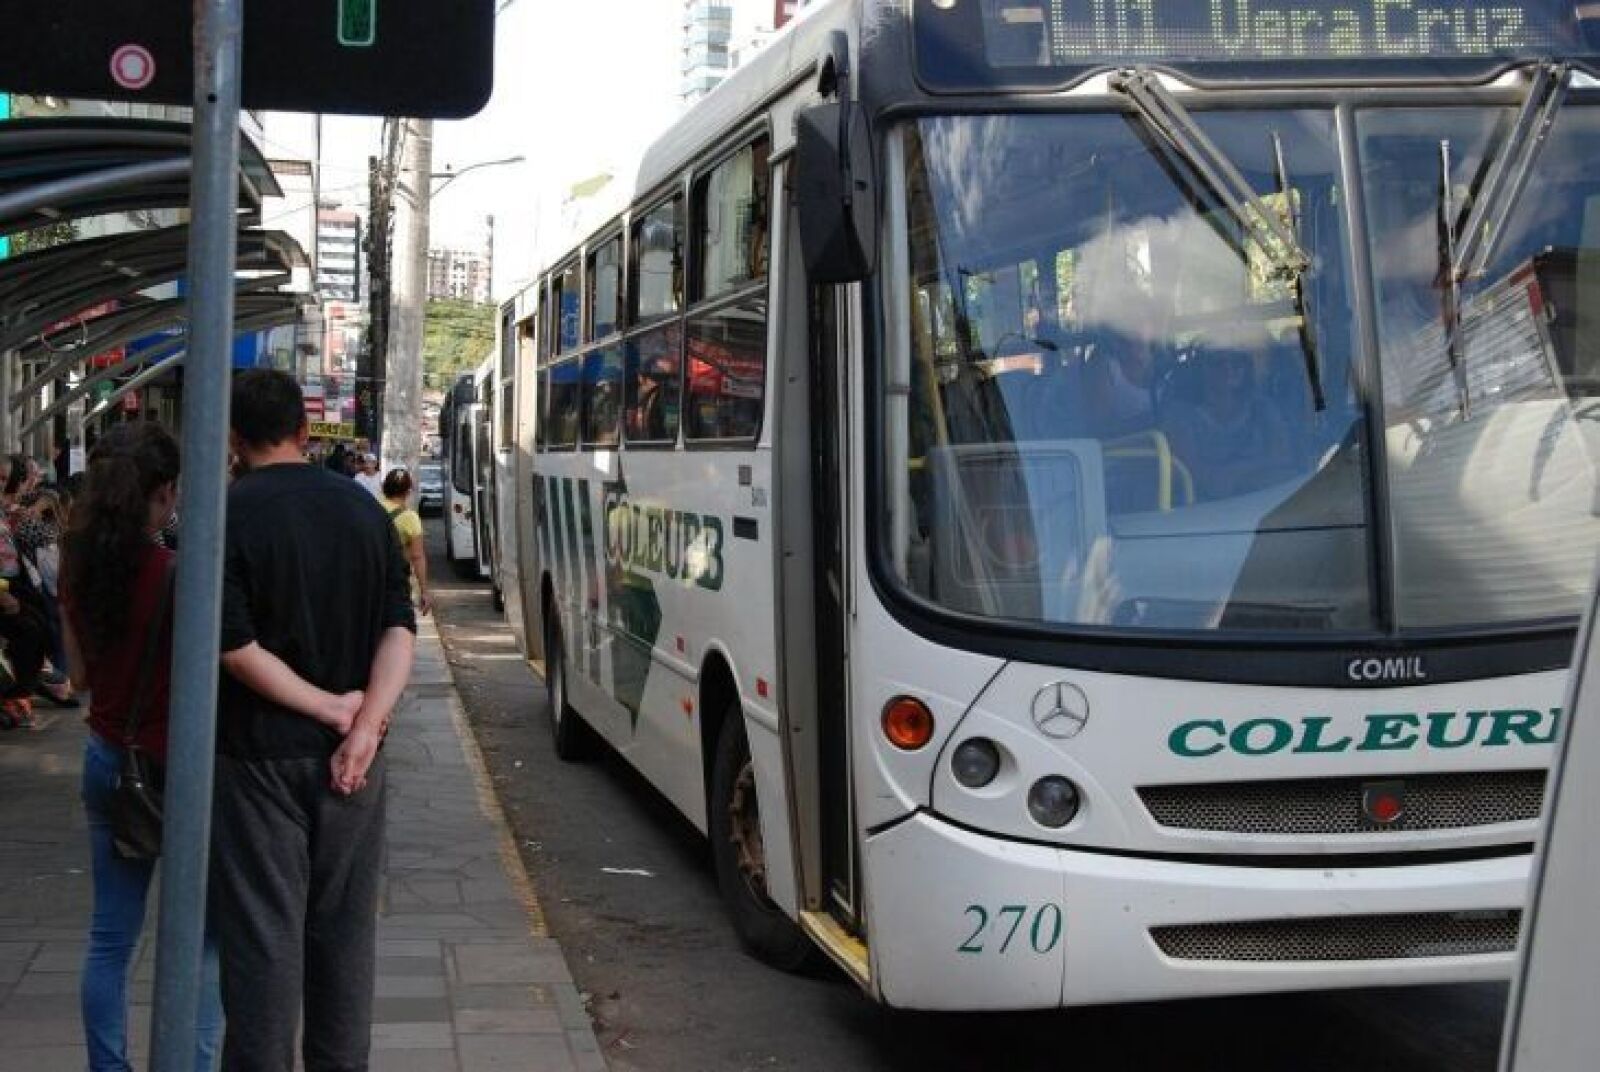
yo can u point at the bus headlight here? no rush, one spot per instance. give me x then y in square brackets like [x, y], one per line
[1053, 801]
[975, 762]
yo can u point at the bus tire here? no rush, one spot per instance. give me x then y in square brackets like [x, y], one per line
[734, 824]
[573, 739]
[465, 568]
[499, 598]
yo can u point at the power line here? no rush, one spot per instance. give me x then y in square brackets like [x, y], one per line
[292, 210]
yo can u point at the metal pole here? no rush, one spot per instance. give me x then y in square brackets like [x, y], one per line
[213, 237]
[8, 370]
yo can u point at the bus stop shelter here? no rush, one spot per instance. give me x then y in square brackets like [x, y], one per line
[63, 304]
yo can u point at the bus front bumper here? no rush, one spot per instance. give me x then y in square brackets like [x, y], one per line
[961, 920]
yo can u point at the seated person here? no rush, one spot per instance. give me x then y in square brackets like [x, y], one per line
[1231, 437]
[1121, 385]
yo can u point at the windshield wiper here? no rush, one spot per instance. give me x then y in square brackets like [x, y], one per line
[1170, 121]
[1450, 281]
[1467, 250]
[1167, 118]
[1502, 188]
[1302, 301]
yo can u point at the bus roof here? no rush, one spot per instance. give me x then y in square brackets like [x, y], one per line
[788, 57]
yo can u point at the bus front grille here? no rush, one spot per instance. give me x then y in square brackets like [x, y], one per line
[1344, 938]
[1334, 805]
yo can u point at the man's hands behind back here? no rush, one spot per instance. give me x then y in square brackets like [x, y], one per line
[353, 759]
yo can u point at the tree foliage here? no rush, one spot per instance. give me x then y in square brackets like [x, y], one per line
[456, 337]
[58, 233]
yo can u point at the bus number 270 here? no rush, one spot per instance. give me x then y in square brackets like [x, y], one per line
[998, 930]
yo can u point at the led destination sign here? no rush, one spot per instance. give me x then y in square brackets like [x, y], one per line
[1273, 29]
[970, 43]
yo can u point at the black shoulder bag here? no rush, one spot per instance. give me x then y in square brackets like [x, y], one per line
[136, 798]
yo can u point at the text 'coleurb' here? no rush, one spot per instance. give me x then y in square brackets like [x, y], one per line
[1383, 732]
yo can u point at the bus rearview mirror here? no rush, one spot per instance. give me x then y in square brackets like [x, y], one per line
[834, 194]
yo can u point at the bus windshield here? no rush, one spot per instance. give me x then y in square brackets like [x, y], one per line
[1129, 407]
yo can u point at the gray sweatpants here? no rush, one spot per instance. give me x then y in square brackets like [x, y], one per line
[294, 896]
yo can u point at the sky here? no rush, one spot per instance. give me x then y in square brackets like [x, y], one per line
[581, 88]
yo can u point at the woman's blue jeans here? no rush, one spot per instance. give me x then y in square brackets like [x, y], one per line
[120, 887]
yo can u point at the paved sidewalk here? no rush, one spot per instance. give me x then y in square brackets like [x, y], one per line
[468, 978]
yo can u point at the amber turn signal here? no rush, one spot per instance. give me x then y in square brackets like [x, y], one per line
[907, 723]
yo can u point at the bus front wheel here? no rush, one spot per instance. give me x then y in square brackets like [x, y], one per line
[567, 727]
[740, 855]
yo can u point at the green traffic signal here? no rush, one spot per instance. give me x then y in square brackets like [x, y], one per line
[358, 23]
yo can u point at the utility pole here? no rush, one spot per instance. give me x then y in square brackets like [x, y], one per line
[408, 281]
[377, 301]
[380, 226]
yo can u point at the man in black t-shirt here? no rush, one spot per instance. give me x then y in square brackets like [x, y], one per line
[317, 641]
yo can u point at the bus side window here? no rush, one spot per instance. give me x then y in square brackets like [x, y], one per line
[563, 411]
[730, 221]
[602, 396]
[605, 289]
[727, 371]
[656, 263]
[541, 407]
[652, 384]
[725, 362]
[568, 301]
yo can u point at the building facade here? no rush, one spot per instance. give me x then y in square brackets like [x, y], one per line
[459, 275]
[342, 287]
[339, 267]
[721, 35]
[707, 47]
[293, 145]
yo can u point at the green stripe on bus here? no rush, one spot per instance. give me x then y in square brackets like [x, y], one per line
[591, 601]
[569, 522]
[634, 609]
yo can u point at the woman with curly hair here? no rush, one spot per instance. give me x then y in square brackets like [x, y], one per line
[115, 591]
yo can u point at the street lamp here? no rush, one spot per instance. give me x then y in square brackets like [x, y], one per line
[451, 176]
[406, 280]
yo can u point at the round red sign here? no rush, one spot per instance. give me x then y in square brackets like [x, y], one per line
[133, 67]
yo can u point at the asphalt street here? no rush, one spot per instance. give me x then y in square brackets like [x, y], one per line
[629, 893]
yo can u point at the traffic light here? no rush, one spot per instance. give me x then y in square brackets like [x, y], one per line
[418, 58]
[358, 23]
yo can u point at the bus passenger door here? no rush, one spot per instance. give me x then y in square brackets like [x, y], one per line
[829, 426]
[459, 494]
[483, 492]
[809, 444]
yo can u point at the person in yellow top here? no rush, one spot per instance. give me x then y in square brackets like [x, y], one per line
[408, 525]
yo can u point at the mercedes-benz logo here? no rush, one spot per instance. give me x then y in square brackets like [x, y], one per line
[1060, 710]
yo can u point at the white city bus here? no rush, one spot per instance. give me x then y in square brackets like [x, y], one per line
[458, 423]
[485, 545]
[510, 526]
[1065, 495]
